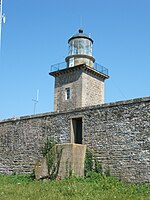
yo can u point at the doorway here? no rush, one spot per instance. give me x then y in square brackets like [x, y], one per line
[76, 133]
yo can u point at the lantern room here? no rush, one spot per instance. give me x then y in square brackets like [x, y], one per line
[80, 50]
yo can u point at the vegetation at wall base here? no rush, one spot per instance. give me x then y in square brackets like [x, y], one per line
[88, 163]
[92, 164]
[52, 158]
[48, 145]
[92, 187]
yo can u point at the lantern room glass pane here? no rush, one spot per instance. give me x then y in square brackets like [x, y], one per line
[80, 46]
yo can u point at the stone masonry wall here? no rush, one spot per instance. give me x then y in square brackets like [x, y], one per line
[92, 89]
[86, 88]
[72, 81]
[119, 133]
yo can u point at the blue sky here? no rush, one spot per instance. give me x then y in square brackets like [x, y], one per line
[35, 37]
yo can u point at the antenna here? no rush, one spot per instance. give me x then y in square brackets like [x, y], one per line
[2, 20]
[36, 100]
[81, 22]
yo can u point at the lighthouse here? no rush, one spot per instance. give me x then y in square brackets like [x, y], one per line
[79, 81]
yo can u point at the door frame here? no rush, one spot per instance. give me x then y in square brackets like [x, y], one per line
[72, 138]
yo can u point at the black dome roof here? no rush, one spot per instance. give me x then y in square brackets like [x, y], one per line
[80, 35]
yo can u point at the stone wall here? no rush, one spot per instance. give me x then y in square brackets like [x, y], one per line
[119, 133]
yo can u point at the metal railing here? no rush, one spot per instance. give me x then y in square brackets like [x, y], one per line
[100, 68]
[63, 65]
[58, 66]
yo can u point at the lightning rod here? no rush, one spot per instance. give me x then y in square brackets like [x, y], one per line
[2, 20]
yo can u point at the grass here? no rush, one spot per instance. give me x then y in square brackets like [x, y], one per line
[92, 187]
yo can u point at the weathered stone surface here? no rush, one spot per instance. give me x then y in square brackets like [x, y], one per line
[118, 132]
[41, 169]
[86, 88]
[72, 159]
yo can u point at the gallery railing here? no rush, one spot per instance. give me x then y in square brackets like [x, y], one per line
[63, 65]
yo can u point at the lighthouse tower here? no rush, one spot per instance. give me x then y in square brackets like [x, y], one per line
[79, 82]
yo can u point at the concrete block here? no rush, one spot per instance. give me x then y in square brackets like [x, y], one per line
[72, 159]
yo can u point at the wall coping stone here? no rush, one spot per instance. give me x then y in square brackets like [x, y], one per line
[101, 106]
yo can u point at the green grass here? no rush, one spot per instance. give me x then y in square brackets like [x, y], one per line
[92, 187]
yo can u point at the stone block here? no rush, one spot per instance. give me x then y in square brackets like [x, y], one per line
[41, 169]
[72, 159]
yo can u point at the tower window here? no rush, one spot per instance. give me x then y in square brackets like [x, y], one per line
[67, 93]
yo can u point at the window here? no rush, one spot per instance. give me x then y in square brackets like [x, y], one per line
[71, 62]
[67, 93]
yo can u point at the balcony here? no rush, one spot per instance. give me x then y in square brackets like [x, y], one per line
[63, 65]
